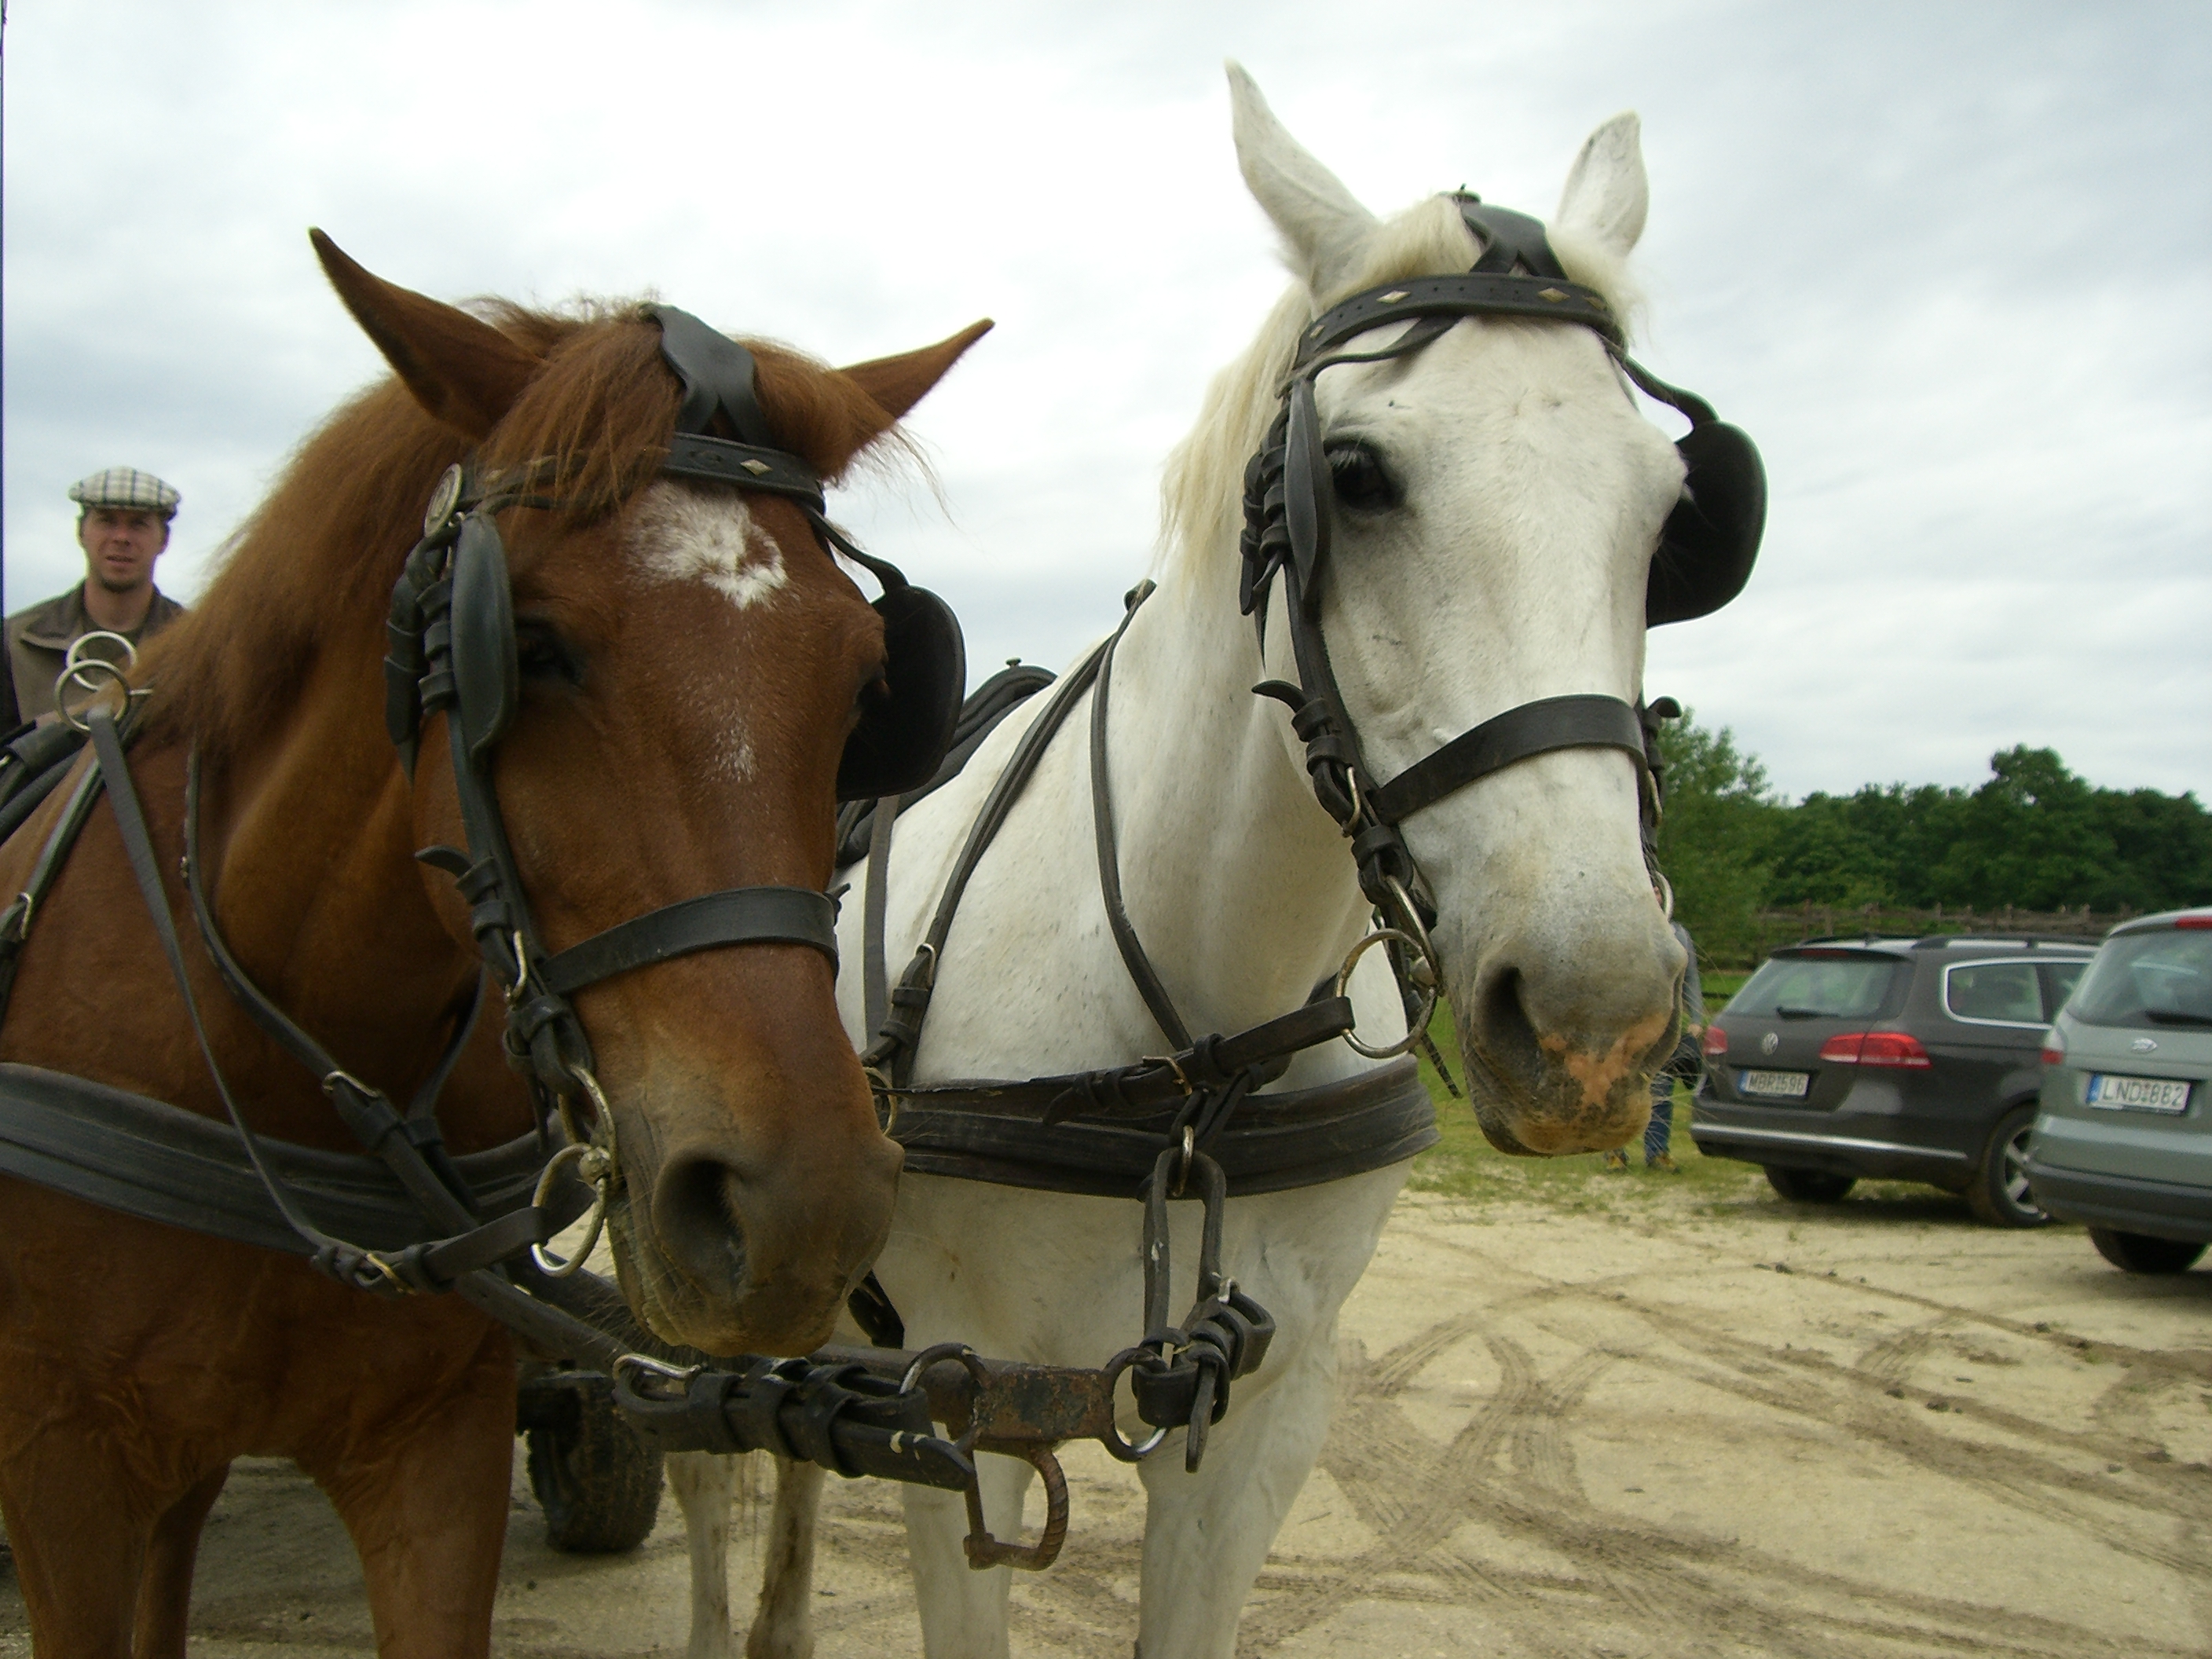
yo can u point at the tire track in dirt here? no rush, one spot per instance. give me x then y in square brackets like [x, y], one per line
[2035, 1484]
[1393, 1475]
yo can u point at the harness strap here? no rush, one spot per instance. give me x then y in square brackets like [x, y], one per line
[15, 920]
[412, 1146]
[423, 1266]
[875, 981]
[1142, 971]
[892, 1053]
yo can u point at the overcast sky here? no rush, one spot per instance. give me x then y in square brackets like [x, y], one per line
[1950, 265]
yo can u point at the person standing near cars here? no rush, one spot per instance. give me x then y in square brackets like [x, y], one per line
[123, 525]
[1683, 1063]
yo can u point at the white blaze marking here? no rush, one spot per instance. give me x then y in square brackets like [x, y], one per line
[678, 536]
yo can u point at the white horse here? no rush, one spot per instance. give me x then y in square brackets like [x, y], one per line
[1497, 504]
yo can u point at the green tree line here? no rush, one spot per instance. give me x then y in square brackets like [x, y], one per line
[2034, 836]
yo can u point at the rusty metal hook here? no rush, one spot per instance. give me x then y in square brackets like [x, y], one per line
[984, 1552]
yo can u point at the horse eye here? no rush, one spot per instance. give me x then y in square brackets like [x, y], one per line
[543, 654]
[1361, 480]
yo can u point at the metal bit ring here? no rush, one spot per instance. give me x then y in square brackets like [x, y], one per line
[1415, 1028]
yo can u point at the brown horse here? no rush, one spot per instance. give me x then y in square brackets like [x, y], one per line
[691, 663]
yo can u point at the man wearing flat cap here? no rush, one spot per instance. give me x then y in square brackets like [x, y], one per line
[122, 525]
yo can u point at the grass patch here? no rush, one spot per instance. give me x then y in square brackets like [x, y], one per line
[1466, 1166]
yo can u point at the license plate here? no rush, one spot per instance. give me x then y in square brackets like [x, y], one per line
[1787, 1086]
[2137, 1094]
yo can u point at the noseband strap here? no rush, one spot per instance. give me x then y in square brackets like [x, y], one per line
[1581, 722]
[737, 915]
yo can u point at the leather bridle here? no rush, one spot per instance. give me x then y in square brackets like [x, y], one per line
[453, 650]
[1287, 532]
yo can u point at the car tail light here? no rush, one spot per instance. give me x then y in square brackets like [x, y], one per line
[1716, 1043]
[1874, 1048]
[2194, 919]
[2054, 1048]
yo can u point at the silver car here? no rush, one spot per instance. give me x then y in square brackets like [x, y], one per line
[2123, 1142]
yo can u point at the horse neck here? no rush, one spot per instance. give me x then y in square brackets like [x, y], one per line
[308, 844]
[1236, 882]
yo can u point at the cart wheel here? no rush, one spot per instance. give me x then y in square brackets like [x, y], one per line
[598, 1484]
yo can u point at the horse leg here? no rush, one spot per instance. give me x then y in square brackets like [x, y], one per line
[783, 1622]
[703, 1483]
[1206, 1535]
[165, 1587]
[80, 1530]
[964, 1612]
[424, 1496]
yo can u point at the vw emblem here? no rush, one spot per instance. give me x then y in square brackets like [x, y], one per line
[2144, 1045]
[1769, 1044]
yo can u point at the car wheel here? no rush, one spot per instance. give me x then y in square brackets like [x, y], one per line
[1998, 1193]
[1809, 1185]
[2141, 1253]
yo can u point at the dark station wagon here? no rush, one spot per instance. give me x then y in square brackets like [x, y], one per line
[1890, 1059]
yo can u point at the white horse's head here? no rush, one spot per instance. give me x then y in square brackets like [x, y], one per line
[1494, 502]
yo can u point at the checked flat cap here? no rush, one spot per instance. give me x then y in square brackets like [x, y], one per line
[126, 486]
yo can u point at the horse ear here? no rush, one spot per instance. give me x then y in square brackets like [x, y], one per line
[463, 371]
[1321, 222]
[1607, 193]
[898, 384]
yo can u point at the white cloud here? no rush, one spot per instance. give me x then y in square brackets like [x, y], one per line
[1947, 264]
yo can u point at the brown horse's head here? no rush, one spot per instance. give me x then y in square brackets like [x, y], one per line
[692, 661]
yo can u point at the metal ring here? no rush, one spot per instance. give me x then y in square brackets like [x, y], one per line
[74, 658]
[71, 675]
[1664, 891]
[1414, 1028]
[551, 1265]
[1129, 1451]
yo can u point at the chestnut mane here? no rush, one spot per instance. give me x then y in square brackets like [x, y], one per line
[313, 566]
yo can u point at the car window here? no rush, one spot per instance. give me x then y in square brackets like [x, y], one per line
[2149, 980]
[1826, 987]
[2004, 993]
[2059, 979]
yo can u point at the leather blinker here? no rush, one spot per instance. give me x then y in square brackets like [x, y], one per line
[487, 674]
[1305, 468]
[904, 732]
[1711, 539]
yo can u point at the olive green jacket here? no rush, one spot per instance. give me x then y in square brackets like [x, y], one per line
[39, 640]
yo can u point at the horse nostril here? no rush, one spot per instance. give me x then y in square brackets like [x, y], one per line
[695, 1216]
[1506, 1035]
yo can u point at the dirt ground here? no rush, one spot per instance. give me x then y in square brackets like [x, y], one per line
[1579, 1414]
